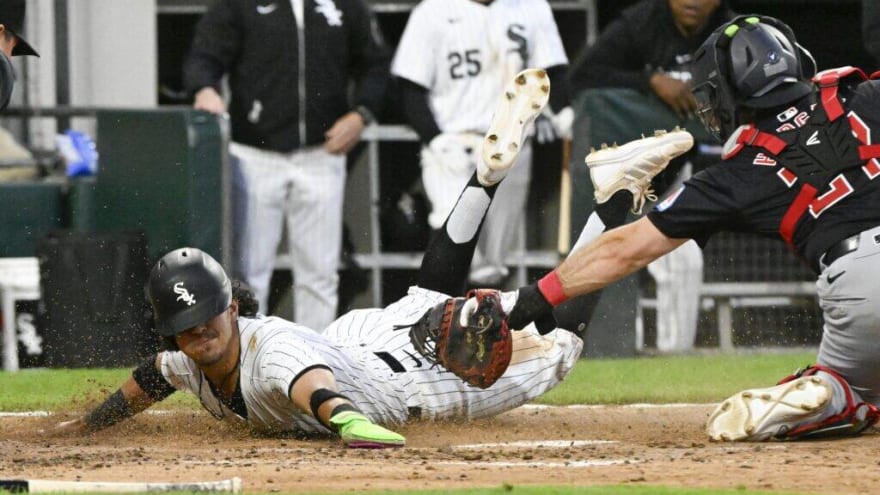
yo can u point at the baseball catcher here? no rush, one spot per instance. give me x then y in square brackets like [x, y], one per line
[467, 336]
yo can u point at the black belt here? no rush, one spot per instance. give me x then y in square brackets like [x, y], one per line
[394, 364]
[839, 249]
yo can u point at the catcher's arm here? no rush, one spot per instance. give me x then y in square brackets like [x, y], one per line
[144, 388]
[316, 391]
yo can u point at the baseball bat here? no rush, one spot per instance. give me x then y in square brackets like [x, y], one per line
[232, 485]
[563, 243]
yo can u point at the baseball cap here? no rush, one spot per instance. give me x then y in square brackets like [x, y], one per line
[12, 16]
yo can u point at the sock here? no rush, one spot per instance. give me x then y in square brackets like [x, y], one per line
[614, 211]
[447, 260]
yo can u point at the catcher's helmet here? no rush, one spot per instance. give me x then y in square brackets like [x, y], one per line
[187, 287]
[753, 62]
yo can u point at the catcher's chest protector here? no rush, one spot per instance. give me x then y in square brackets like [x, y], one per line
[826, 145]
[817, 152]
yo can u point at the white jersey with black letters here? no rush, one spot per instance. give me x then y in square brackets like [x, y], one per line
[465, 51]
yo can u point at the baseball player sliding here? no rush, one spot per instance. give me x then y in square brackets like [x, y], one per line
[453, 58]
[361, 371]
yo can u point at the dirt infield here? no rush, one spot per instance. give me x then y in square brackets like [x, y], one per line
[559, 446]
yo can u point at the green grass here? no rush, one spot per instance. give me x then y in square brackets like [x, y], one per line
[57, 389]
[668, 379]
[707, 378]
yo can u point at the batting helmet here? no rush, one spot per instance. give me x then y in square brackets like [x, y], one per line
[187, 287]
[753, 62]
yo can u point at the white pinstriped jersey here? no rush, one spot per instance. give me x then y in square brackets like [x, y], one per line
[538, 363]
[464, 52]
[276, 351]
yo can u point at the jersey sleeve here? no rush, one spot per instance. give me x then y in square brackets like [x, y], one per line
[283, 358]
[548, 50]
[180, 371]
[701, 207]
[414, 58]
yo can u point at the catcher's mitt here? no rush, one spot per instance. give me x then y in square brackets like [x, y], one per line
[467, 336]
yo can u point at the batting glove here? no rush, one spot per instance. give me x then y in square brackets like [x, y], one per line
[551, 126]
[358, 432]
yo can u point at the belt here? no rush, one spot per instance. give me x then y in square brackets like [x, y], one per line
[841, 248]
[412, 412]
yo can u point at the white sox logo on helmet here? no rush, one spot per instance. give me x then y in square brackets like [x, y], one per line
[184, 294]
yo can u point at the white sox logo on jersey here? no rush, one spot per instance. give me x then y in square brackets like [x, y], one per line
[183, 294]
[329, 10]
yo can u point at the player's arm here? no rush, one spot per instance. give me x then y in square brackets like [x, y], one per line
[612, 256]
[215, 47]
[143, 388]
[316, 391]
[369, 68]
[418, 111]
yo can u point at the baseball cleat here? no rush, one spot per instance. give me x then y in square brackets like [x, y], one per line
[522, 101]
[766, 413]
[633, 165]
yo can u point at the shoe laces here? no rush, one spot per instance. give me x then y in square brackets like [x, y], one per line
[641, 194]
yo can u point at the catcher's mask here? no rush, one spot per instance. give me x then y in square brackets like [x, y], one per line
[751, 62]
[187, 287]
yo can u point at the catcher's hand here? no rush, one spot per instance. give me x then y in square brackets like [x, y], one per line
[467, 336]
[358, 432]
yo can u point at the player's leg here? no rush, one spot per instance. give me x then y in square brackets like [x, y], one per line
[448, 256]
[838, 397]
[538, 364]
[259, 189]
[314, 228]
[502, 227]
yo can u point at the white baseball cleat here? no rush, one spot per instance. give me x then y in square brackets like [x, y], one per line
[633, 165]
[522, 101]
[766, 413]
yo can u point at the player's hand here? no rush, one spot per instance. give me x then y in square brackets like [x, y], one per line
[532, 306]
[345, 133]
[453, 151]
[65, 428]
[358, 432]
[551, 126]
[675, 93]
[209, 100]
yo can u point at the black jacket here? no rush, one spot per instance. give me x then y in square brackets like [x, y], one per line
[257, 43]
[641, 41]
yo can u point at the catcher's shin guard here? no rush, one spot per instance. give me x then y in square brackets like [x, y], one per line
[798, 407]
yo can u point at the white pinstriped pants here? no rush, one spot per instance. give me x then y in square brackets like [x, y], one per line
[443, 186]
[306, 189]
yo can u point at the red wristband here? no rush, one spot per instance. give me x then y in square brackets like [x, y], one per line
[551, 287]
